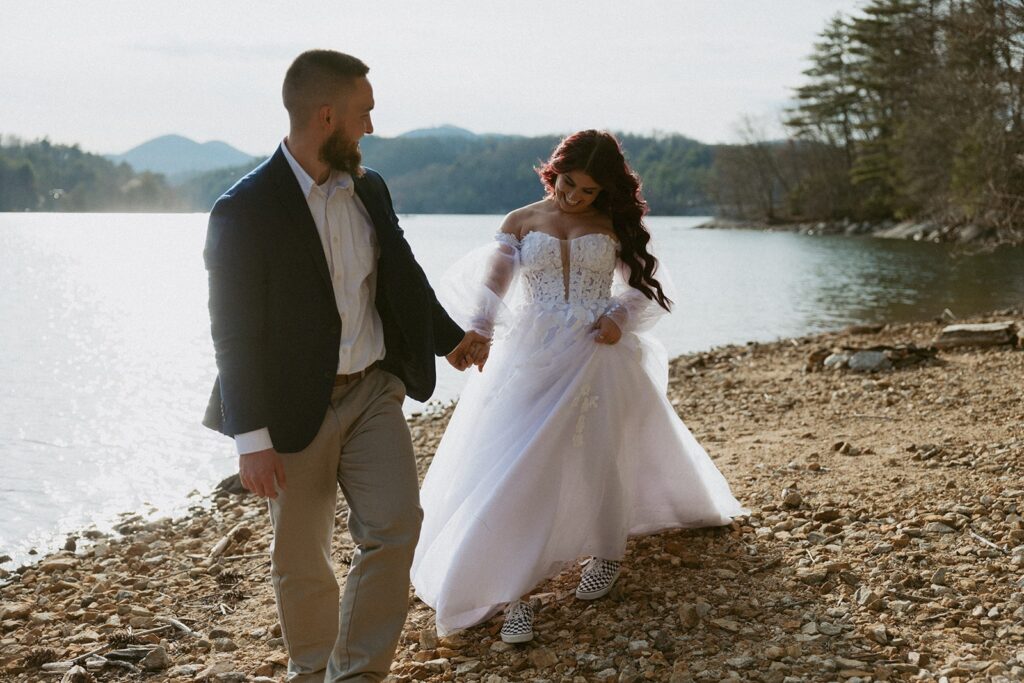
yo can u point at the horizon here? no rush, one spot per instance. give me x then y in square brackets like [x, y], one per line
[121, 78]
[4, 136]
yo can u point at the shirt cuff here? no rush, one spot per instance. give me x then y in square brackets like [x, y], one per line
[256, 440]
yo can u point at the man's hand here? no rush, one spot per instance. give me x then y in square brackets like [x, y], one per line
[607, 331]
[262, 472]
[472, 350]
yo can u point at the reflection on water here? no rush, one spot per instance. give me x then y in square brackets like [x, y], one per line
[107, 363]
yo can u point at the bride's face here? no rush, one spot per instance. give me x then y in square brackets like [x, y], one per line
[575, 191]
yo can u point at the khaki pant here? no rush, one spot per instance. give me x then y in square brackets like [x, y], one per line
[364, 447]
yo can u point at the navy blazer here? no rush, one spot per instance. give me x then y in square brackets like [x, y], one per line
[273, 316]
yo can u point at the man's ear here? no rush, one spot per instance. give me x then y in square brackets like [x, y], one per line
[325, 115]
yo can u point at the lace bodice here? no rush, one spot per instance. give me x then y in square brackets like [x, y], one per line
[576, 271]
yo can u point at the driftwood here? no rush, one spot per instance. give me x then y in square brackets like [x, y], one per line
[982, 334]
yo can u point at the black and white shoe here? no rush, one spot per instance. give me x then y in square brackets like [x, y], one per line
[518, 627]
[597, 579]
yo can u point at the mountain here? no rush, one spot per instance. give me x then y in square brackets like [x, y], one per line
[445, 131]
[176, 156]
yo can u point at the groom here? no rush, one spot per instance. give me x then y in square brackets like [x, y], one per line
[322, 321]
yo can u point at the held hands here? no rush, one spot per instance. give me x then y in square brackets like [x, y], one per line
[607, 331]
[472, 350]
[262, 472]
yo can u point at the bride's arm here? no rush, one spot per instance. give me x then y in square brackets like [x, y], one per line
[630, 309]
[474, 288]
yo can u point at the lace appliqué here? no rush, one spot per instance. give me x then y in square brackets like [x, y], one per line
[591, 267]
[585, 401]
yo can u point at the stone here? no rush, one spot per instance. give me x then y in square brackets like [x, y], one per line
[542, 658]
[792, 498]
[156, 660]
[224, 645]
[428, 638]
[741, 662]
[688, 616]
[869, 361]
[15, 610]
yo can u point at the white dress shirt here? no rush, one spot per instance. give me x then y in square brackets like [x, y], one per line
[350, 247]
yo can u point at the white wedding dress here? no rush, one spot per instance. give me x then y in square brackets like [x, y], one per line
[562, 447]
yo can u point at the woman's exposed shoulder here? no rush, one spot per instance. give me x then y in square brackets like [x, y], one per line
[518, 219]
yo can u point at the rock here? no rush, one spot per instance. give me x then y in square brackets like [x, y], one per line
[542, 658]
[183, 671]
[741, 662]
[216, 669]
[869, 361]
[938, 528]
[827, 515]
[638, 647]
[726, 624]
[792, 498]
[939, 577]
[836, 361]
[224, 645]
[156, 660]
[77, 674]
[15, 610]
[428, 638]
[878, 633]
[688, 616]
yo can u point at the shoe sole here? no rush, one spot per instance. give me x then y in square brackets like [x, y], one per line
[594, 595]
[521, 638]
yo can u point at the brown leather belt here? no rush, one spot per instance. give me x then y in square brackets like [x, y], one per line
[339, 380]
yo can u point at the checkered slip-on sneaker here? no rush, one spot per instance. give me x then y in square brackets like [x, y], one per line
[597, 579]
[518, 627]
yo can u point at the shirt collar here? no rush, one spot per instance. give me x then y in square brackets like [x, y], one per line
[338, 180]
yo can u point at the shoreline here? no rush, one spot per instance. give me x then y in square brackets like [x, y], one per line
[885, 539]
[912, 230]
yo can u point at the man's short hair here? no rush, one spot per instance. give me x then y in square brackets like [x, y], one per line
[314, 78]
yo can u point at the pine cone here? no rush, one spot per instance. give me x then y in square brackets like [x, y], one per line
[123, 637]
[234, 595]
[228, 578]
[40, 656]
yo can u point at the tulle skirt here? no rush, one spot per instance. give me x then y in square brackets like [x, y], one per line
[561, 448]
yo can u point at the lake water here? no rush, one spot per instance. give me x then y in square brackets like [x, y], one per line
[106, 361]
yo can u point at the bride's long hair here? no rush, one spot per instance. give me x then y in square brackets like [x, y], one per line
[598, 154]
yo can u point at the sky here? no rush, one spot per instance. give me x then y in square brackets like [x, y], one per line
[111, 75]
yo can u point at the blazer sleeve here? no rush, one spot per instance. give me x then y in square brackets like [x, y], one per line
[446, 332]
[237, 270]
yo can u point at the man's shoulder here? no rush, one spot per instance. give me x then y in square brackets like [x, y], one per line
[251, 189]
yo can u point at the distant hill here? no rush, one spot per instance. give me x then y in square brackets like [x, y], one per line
[176, 156]
[445, 131]
[451, 171]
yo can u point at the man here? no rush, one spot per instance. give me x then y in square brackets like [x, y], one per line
[322, 321]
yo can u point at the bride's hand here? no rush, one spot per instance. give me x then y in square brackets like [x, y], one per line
[607, 331]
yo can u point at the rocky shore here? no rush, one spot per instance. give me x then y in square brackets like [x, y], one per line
[918, 231]
[885, 543]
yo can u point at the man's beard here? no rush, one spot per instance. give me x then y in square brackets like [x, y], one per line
[341, 154]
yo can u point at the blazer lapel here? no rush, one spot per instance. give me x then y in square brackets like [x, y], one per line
[300, 219]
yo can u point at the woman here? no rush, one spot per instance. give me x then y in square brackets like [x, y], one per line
[565, 444]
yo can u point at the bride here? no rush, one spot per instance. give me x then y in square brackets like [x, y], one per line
[565, 444]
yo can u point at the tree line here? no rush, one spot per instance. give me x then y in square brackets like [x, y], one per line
[446, 174]
[911, 111]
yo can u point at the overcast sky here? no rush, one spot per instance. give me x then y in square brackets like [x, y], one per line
[110, 75]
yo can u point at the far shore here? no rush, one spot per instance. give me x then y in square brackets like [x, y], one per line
[913, 230]
[885, 541]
